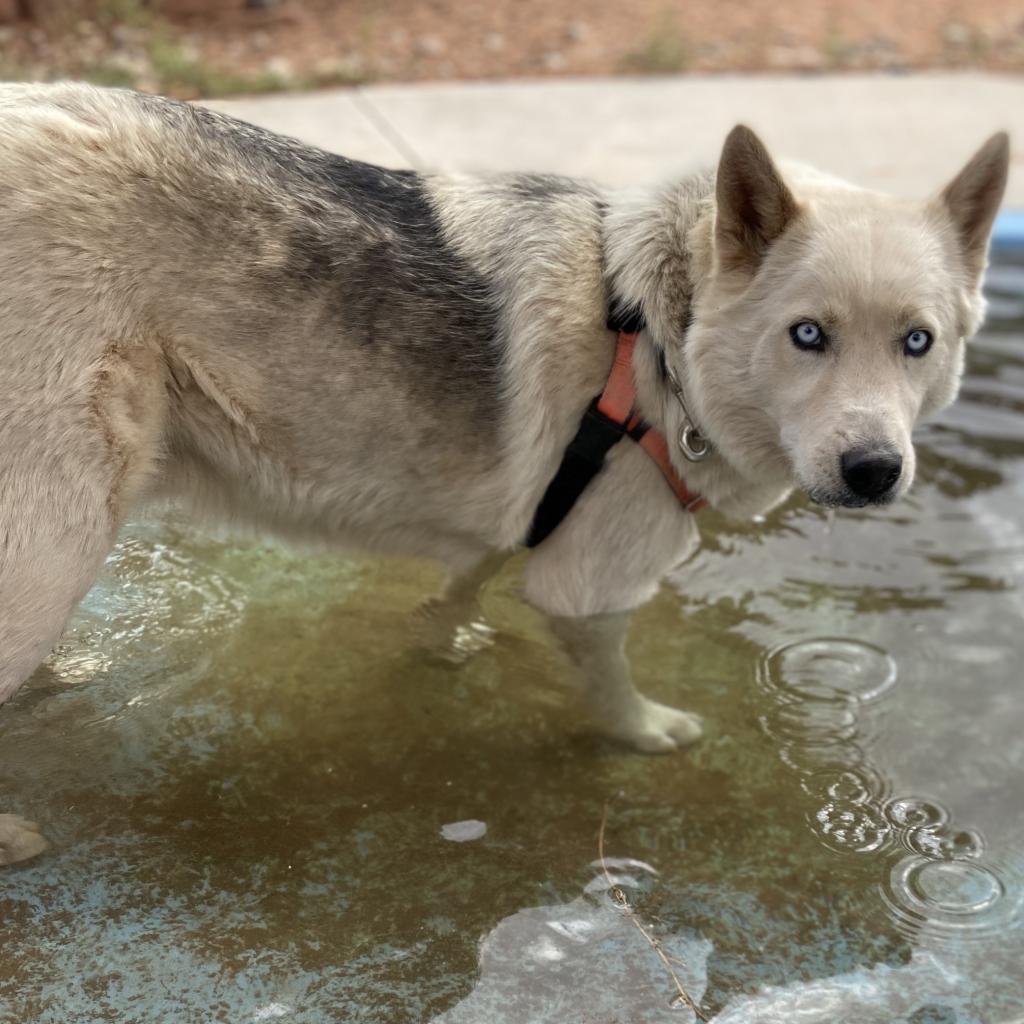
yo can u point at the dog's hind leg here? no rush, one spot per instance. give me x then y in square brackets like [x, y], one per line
[451, 625]
[596, 646]
[75, 450]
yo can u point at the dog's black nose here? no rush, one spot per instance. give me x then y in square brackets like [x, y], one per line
[870, 473]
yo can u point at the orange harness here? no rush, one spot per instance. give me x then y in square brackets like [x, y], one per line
[609, 418]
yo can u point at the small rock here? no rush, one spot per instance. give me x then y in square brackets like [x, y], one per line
[188, 47]
[956, 33]
[279, 67]
[494, 41]
[577, 31]
[349, 66]
[135, 66]
[804, 58]
[882, 45]
[809, 58]
[430, 46]
[554, 60]
[464, 831]
[123, 35]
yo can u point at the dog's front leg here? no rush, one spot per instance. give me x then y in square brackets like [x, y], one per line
[596, 646]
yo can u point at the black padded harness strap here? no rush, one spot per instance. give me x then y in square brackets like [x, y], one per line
[584, 458]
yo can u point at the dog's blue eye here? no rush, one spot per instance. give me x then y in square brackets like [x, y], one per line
[807, 335]
[916, 343]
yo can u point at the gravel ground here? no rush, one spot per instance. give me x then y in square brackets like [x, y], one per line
[281, 44]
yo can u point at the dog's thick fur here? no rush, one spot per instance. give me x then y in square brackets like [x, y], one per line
[196, 308]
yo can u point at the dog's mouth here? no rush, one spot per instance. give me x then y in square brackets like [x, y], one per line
[847, 499]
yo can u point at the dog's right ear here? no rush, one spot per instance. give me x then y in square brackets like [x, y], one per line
[753, 205]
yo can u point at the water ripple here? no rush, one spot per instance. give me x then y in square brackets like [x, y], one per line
[847, 827]
[819, 689]
[949, 898]
[829, 669]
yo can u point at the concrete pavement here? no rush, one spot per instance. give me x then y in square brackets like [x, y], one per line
[901, 133]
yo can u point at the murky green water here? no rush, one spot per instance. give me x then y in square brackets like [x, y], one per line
[244, 766]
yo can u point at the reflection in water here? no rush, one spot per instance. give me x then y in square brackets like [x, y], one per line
[581, 961]
[876, 995]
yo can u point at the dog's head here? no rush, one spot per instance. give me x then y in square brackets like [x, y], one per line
[834, 318]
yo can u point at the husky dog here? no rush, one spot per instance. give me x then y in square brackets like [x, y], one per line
[195, 308]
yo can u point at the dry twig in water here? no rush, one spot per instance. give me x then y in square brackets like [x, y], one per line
[622, 902]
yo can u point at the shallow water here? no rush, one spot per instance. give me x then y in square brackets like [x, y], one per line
[265, 803]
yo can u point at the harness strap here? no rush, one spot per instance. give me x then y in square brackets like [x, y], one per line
[616, 401]
[609, 418]
[657, 448]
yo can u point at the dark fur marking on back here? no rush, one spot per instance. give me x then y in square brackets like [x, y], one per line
[368, 247]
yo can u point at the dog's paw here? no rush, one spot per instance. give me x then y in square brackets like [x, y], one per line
[655, 728]
[451, 634]
[468, 639]
[19, 839]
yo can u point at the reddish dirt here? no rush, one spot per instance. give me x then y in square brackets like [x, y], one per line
[510, 38]
[297, 42]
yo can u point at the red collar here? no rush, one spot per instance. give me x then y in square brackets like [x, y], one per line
[618, 404]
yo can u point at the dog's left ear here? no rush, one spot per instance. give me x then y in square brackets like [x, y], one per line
[972, 199]
[753, 205]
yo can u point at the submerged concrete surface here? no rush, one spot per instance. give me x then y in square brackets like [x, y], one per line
[899, 133]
